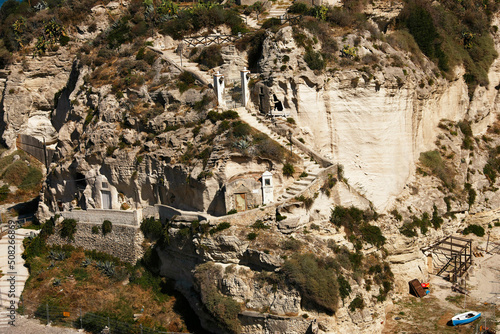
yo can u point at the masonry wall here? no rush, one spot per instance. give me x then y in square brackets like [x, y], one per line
[123, 242]
[97, 216]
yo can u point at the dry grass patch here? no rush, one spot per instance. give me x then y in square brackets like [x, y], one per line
[89, 289]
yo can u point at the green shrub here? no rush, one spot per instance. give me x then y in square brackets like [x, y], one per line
[436, 219]
[272, 22]
[308, 201]
[215, 116]
[397, 215]
[291, 244]
[34, 247]
[223, 309]
[252, 236]
[4, 192]
[148, 280]
[107, 226]
[232, 212]
[349, 218]
[344, 287]
[240, 129]
[220, 227]
[120, 33]
[315, 280]
[211, 56]
[185, 81]
[299, 8]
[151, 228]
[452, 34]
[205, 15]
[471, 194]
[372, 234]
[288, 169]
[357, 303]
[314, 60]
[259, 225]
[68, 229]
[408, 230]
[279, 217]
[95, 229]
[475, 229]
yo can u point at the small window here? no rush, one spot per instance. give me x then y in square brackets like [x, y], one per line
[105, 185]
[267, 182]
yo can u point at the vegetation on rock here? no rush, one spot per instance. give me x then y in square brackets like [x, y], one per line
[223, 309]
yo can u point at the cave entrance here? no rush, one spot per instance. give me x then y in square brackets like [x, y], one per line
[240, 202]
[278, 105]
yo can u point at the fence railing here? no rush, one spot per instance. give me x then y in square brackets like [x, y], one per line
[4, 227]
[91, 322]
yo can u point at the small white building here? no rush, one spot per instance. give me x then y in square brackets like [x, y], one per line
[267, 188]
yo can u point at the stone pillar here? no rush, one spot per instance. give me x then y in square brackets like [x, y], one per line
[267, 188]
[138, 217]
[219, 89]
[245, 93]
[430, 265]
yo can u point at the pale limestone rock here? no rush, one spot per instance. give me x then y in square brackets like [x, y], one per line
[376, 130]
[40, 127]
[27, 94]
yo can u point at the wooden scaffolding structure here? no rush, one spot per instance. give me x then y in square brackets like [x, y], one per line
[452, 256]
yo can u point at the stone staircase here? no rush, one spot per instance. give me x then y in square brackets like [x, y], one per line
[279, 8]
[174, 58]
[312, 169]
[310, 166]
[250, 21]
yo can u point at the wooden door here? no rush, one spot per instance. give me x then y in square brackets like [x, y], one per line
[240, 201]
[106, 199]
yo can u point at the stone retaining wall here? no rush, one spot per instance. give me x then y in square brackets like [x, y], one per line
[97, 216]
[123, 242]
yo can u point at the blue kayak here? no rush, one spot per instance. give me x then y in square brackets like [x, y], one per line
[465, 318]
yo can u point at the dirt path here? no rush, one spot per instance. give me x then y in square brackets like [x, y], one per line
[33, 326]
[485, 279]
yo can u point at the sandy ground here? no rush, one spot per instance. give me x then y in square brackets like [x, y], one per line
[432, 313]
[485, 279]
[28, 326]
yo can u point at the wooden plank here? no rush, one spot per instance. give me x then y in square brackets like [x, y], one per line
[448, 249]
[453, 244]
[462, 239]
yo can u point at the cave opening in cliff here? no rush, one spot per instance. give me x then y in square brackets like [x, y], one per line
[80, 181]
[278, 105]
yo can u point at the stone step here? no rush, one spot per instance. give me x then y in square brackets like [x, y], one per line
[302, 182]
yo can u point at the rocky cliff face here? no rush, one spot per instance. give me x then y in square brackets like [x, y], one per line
[145, 137]
[28, 100]
[247, 271]
[374, 119]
